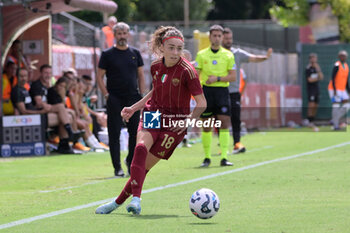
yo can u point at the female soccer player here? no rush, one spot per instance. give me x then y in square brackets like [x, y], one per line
[174, 81]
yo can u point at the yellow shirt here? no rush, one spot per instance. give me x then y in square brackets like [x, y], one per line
[7, 106]
[217, 64]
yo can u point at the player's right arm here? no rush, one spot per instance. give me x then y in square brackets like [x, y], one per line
[127, 112]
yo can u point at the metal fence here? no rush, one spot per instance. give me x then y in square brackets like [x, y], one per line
[280, 69]
[262, 33]
[252, 36]
[71, 30]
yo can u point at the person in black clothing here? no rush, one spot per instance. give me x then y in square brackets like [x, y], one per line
[57, 93]
[23, 103]
[123, 67]
[313, 75]
[38, 92]
[21, 99]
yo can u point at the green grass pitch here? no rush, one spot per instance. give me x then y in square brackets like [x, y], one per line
[309, 193]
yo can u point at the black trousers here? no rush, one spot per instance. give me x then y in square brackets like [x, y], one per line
[236, 116]
[115, 105]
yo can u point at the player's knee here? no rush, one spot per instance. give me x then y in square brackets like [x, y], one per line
[207, 129]
[225, 123]
[141, 148]
[140, 155]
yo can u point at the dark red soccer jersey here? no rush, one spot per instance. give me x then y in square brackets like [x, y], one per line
[173, 87]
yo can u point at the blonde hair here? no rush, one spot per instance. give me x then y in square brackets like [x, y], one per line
[160, 35]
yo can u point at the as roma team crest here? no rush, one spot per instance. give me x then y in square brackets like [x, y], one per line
[175, 81]
[155, 76]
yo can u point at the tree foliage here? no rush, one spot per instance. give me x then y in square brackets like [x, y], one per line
[152, 10]
[161, 10]
[291, 12]
[341, 9]
[240, 9]
[296, 12]
[88, 16]
[126, 12]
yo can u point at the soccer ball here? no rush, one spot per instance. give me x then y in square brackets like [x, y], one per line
[204, 203]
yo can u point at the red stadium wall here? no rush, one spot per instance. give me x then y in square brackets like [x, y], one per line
[39, 32]
[265, 106]
[79, 58]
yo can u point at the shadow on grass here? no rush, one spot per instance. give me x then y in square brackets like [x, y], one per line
[108, 178]
[210, 167]
[152, 216]
[156, 216]
[201, 223]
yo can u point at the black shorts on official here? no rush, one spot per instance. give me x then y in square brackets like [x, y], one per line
[313, 96]
[218, 101]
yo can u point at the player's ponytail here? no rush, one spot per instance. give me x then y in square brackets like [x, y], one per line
[160, 35]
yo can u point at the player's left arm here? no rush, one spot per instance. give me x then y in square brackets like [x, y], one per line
[201, 105]
[141, 79]
[260, 58]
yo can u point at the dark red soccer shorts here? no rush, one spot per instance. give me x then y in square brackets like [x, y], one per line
[164, 141]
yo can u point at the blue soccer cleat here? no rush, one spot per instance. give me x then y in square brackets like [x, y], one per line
[106, 208]
[134, 206]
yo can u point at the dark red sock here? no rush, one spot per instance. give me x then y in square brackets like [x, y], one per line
[138, 169]
[126, 192]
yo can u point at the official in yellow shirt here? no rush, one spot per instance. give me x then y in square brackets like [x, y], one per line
[216, 62]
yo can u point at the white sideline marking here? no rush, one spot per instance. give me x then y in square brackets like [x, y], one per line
[70, 187]
[59, 212]
[248, 151]
[259, 149]
[96, 182]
